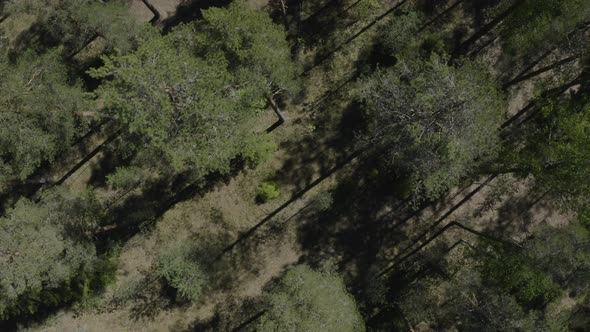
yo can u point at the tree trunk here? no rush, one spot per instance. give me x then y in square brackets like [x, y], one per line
[447, 214]
[534, 63]
[249, 321]
[154, 11]
[275, 107]
[482, 47]
[284, 13]
[87, 158]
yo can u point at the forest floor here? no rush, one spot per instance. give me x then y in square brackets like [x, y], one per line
[306, 165]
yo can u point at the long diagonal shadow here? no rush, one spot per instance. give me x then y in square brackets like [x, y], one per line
[355, 36]
[293, 198]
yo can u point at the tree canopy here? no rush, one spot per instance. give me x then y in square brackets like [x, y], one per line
[307, 300]
[537, 24]
[433, 121]
[38, 107]
[190, 109]
[45, 249]
[556, 152]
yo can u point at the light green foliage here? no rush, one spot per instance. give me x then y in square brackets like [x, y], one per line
[73, 22]
[37, 111]
[306, 300]
[125, 177]
[433, 121]
[187, 100]
[538, 23]
[556, 153]
[258, 149]
[180, 267]
[45, 247]
[267, 191]
[250, 44]
[401, 31]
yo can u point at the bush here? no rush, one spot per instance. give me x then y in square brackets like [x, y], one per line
[267, 191]
[180, 267]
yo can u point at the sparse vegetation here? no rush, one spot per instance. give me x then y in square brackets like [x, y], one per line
[279, 165]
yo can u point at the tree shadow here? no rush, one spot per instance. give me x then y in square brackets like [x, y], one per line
[188, 11]
[50, 174]
[521, 214]
[142, 210]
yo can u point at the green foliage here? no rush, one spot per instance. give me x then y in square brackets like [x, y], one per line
[434, 122]
[306, 300]
[556, 150]
[187, 100]
[564, 254]
[46, 254]
[181, 269]
[258, 149]
[535, 24]
[322, 202]
[252, 46]
[465, 303]
[400, 31]
[267, 191]
[125, 177]
[517, 288]
[38, 106]
[170, 105]
[514, 275]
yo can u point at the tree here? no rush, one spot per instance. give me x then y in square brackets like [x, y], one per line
[400, 30]
[465, 303]
[535, 24]
[564, 254]
[177, 111]
[180, 267]
[554, 148]
[431, 121]
[306, 300]
[46, 256]
[187, 100]
[507, 288]
[252, 47]
[38, 107]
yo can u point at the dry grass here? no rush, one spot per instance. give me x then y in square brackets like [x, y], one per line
[15, 25]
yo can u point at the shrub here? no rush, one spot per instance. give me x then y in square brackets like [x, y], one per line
[180, 267]
[267, 191]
